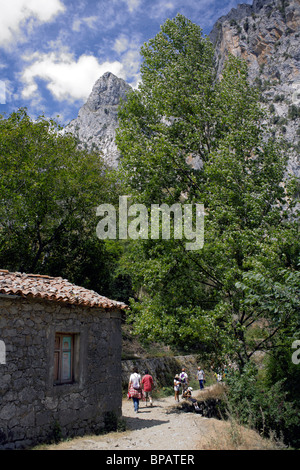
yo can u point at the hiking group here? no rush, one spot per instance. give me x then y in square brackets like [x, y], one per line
[142, 387]
[182, 381]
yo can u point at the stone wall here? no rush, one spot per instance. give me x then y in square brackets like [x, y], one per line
[162, 369]
[32, 409]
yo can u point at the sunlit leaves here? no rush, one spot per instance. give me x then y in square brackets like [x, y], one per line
[183, 113]
[49, 191]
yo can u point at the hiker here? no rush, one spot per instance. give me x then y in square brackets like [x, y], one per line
[219, 376]
[135, 389]
[184, 379]
[200, 377]
[187, 394]
[147, 384]
[177, 384]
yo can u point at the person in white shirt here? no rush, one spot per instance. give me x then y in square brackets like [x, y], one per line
[200, 377]
[177, 385]
[184, 379]
[135, 389]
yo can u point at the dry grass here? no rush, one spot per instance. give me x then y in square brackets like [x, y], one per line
[228, 434]
[213, 392]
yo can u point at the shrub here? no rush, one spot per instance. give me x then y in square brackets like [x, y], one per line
[112, 423]
[263, 406]
[293, 112]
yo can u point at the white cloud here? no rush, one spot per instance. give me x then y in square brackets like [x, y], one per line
[121, 44]
[161, 9]
[67, 79]
[131, 63]
[132, 5]
[128, 48]
[90, 22]
[2, 92]
[15, 13]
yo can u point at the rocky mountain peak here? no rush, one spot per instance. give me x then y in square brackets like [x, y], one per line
[266, 34]
[107, 90]
[97, 120]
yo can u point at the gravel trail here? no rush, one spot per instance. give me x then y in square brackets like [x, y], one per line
[160, 427]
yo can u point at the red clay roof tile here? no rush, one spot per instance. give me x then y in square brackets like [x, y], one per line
[55, 289]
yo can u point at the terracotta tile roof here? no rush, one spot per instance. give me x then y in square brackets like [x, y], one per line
[55, 289]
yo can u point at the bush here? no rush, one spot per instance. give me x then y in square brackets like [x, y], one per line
[112, 423]
[281, 368]
[293, 112]
[264, 407]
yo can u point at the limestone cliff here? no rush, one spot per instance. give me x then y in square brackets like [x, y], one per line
[97, 119]
[267, 35]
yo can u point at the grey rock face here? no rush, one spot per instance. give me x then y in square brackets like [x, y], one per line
[267, 35]
[97, 120]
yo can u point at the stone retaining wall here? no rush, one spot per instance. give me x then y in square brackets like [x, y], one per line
[162, 369]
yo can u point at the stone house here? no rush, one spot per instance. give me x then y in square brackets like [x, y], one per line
[60, 359]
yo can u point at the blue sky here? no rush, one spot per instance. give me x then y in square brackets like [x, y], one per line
[53, 51]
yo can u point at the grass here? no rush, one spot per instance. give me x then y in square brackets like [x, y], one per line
[228, 434]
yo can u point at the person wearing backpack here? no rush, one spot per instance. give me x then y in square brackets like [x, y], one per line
[184, 379]
[134, 389]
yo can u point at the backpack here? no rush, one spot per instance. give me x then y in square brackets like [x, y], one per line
[183, 377]
[136, 382]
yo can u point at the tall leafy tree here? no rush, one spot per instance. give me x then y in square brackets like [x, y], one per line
[49, 192]
[189, 136]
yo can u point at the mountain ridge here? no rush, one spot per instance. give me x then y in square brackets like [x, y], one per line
[97, 119]
[265, 34]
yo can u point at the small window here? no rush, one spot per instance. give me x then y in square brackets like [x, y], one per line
[63, 359]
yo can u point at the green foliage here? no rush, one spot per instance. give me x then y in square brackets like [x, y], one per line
[182, 114]
[56, 435]
[49, 192]
[266, 408]
[293, 112]
[281, 368]
[271, 302]
[112, 423]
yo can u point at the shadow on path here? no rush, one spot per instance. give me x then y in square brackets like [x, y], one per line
[143, 419]
[141, 423]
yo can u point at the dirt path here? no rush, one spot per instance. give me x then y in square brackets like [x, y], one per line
[160, 427]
